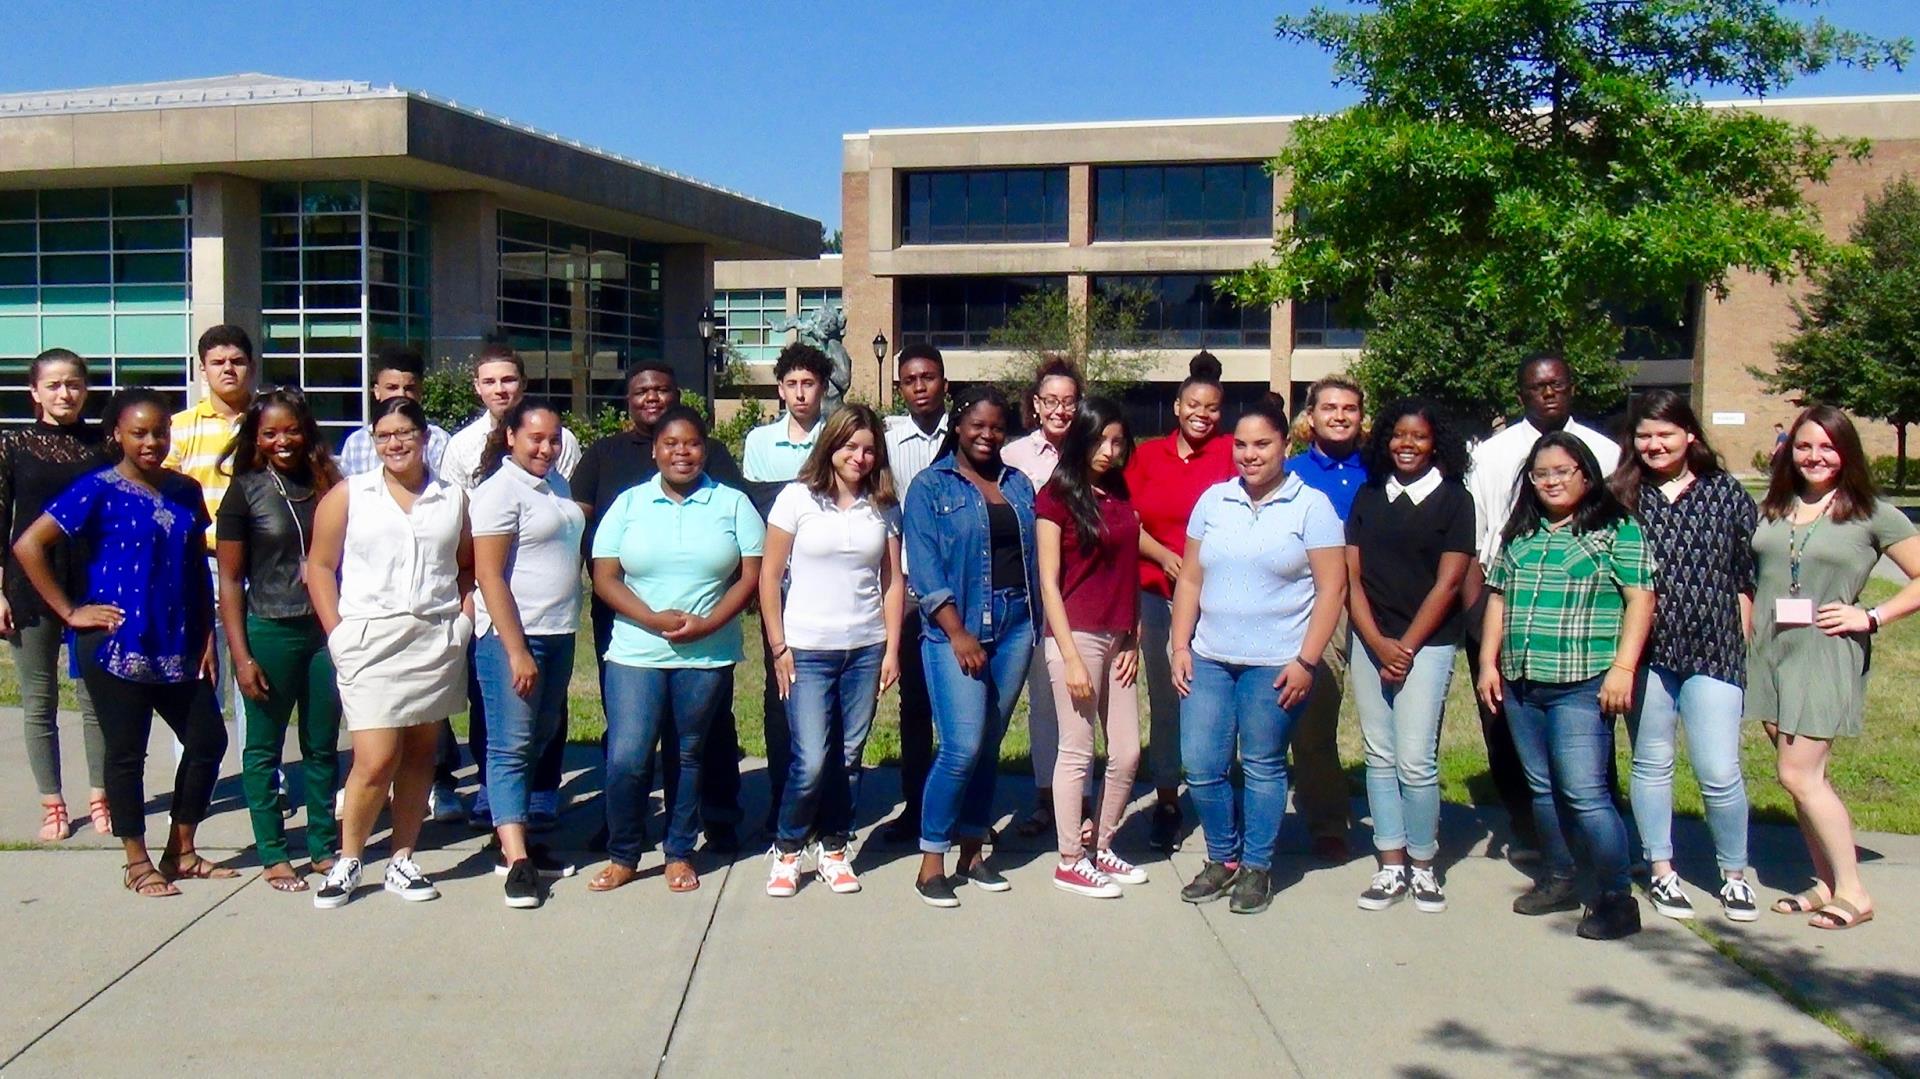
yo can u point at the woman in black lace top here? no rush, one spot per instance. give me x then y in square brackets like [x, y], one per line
[37, 462]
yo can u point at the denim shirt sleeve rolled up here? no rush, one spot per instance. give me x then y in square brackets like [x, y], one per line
[948, 541]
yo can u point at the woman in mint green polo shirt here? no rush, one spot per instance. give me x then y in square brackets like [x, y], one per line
[677, 558]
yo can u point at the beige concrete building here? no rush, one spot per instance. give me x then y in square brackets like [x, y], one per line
[944, 229]
[332, 218]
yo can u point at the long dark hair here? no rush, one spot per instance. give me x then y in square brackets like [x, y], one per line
[980, 393]
[1597, 508]
[1854, 497]
[1074, 475]
[817, 472]
[1660, 406]
[1449, 449]
[242, 455]
[514, 419]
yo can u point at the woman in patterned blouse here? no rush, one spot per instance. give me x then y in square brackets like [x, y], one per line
[1570, 608]
[37, 462]
[1699, 525]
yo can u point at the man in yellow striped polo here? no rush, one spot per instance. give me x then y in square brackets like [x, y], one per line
[202, 431]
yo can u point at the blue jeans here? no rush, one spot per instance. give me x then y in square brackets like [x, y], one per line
[673, 705]
[971, 714]
[1711, 710]
[521, 728]
[1564, 744]
[829, 714]
[1233, 706]
[1400, 726]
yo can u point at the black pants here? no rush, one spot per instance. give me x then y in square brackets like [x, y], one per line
[126, 721]
[720, 755]
[916, 717]
[1503, 761]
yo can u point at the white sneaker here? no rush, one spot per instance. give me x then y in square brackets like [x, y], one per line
[339, 886]
[405, 880]
[783, 873]
[1121, 870]
[836, 870]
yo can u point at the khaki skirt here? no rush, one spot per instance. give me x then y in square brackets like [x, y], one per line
[400, 670]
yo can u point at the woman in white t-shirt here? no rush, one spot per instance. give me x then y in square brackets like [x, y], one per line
[526, 561]
[831, 599]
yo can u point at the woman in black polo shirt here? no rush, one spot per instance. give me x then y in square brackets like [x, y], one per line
[1409, 540]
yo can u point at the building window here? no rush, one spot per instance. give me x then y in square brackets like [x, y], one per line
[1182, 202]
[343, 273]
[1329, 323]
[813, 299]
[962, 312]
[1184, 311]
[101, 271]
[579, 306]
[748, 314]
[984, 206]
[1656, 331]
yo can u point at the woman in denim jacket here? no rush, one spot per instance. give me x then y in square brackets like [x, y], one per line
[969, 535]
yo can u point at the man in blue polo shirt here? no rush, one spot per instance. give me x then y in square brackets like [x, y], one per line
[1332, 465]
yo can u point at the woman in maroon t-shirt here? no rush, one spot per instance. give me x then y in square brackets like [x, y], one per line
[1089, 549]
[1166, 477]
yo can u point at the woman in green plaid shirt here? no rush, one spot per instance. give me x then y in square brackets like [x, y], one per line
[1569, 613]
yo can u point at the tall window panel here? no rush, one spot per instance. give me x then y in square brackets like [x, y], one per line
[1330, 322]
[579, 305]
[1182, 202]
[984, 206]
[1184, 311]
[104, 272]
[962, 312]
[748, 316]
[813, 299]
[343, 272]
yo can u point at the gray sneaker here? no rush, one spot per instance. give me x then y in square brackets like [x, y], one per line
[1252, 891]
[1212, 883]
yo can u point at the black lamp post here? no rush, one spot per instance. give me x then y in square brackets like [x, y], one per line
[881, 390]
[708, 324]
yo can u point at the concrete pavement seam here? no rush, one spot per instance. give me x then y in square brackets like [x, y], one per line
[1252, 995]
[120, 977]
[693, 968]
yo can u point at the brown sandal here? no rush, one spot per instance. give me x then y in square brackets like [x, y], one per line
[1838, 915]
[681, 877]
[613, 876]
[1806, 902]
[292, 882]
[198, 869]
[151, 883]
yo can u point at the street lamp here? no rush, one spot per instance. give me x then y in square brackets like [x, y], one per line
[707, 325]
[881, 390]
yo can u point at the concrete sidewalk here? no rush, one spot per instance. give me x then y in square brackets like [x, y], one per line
[235, 977]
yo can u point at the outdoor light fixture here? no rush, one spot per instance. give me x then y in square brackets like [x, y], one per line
[880, 347]
[706, 325]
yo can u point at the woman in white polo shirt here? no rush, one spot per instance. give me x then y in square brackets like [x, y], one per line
[834, 635]
[526, 560]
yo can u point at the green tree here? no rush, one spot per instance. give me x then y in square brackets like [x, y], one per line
[447, 395]
[1104, 337]
[1857, 340]
[1518, 171]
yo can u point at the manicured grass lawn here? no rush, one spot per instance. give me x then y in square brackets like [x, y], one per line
[1875, 773]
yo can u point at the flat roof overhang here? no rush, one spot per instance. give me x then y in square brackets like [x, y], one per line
[402, 139]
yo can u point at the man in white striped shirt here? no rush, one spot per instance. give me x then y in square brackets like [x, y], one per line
[913, 441]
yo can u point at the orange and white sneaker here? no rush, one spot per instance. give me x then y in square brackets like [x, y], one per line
[835, 869]
[783, 876]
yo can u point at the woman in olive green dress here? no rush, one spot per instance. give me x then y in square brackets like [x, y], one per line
[1822, 530]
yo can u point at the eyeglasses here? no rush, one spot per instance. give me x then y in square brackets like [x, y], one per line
[1057, 404]
[1541, 477]
[406, 437]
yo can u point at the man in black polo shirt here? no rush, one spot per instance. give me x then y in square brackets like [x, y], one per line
[609, 467]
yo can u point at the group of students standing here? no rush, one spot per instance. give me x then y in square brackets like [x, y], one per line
[420, 573]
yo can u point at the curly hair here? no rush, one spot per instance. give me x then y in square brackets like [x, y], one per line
[1449, 447]
[242, 455]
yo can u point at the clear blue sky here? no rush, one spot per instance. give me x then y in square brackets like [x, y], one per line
[755, 96]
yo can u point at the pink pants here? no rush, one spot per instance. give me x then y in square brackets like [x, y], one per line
[1117, 710]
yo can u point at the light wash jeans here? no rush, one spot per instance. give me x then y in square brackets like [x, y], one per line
[1229, 707]
[1400, 725]
[1711, 710]
[520, 728]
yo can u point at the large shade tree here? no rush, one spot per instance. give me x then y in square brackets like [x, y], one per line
[1518, 173]
[1857, 343]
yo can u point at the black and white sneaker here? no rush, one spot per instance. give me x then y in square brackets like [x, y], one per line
[544, 861]
[1737, 900]
[1389, 886]
[1428, 898]
[405, 880]
[523, 885]
[937, 892]
[1669, 898]
[986, 878]
[339, 886]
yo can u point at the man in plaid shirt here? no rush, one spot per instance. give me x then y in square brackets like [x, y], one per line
[397, 372]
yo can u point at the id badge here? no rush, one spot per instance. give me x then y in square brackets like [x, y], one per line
[1788, 611]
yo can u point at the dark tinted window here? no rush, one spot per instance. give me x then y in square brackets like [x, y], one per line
[962, 312]
[1184, 311]
[1178, 202]
[984, 206]
[1329, 323]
